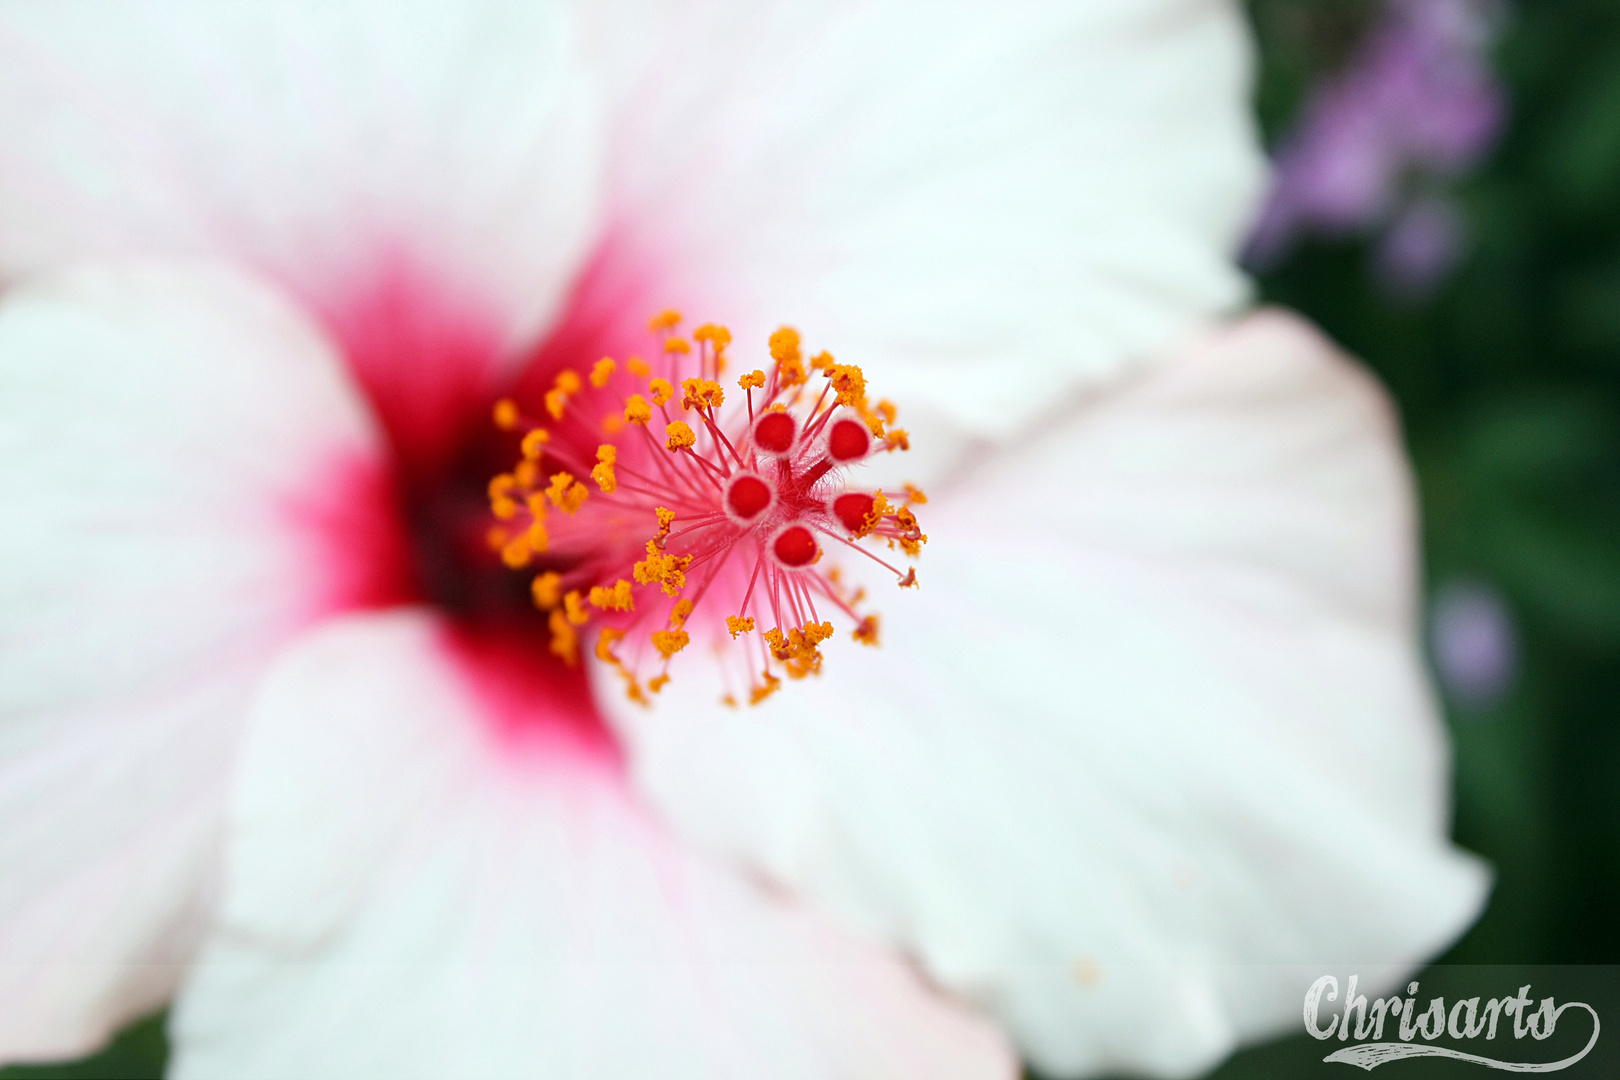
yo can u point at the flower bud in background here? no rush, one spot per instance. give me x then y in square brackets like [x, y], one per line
[1473, 642]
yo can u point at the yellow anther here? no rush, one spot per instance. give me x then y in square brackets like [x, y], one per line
[566, 493]
[867, 632]
[516, 553]
[668, 570]
[567, 384]
[496, 537]
[718, 336]
[874, 424]
[527, 473]
[880, 506]
[539, 539]
[504, 508]
[915, 496]
[537, 504]
[534, 443]
[617, 598]
[507, 415]
[702, 394]
[789, 362]
[658, 682]
[666, 518]
[759, 693]
[784, 344]
[609, 637]
[500, 485]
[574, 607]
[670, 642]
[886, 409]
[822, 360]
[612, 424]
[564, 638]
[754, 380]
[676, 345]
[662, 391]
[664, 320]
[546, 589]
[739, 626]
[799, 649]
[680, 435]
[680, 612]
[603, 371]
[636, 410]
[850, 384]
[638, 367]
[898, 440]
[606, 455]
[791, 373]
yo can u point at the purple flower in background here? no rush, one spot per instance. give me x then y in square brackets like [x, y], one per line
[1474, 643]
[1417, 105]
[1420, 246]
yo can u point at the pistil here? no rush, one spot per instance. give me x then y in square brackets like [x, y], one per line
[696, 500]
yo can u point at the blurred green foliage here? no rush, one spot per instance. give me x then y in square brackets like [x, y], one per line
[138, 1053]
[1508, 382]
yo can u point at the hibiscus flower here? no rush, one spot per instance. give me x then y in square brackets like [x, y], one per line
[281, 734]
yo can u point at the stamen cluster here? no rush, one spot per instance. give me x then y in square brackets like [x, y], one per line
[697, 501]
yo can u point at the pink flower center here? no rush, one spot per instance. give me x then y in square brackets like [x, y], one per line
[644, 492]
[408, 527]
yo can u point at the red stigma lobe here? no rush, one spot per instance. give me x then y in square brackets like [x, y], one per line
[748, 496]
[848, 441]
[774, 433]
[853, 508]
[794, 547]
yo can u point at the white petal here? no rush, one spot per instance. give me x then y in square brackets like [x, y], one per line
[1152, 730]
[157, 428]
[409, 897]
[348, 150]
[985, 204]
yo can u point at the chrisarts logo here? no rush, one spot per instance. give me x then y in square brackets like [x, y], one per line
[1472, 1020]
